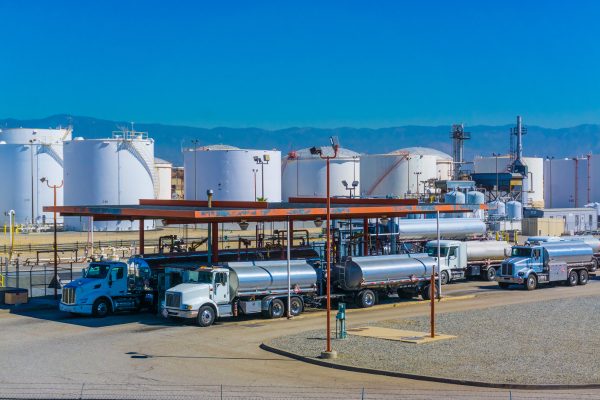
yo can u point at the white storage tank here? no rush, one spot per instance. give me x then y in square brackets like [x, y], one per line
[497, 209]
[305, 175]
[514, 210]
[162, 185]
[476, 198]
[26, 156]
[396, 174]
[115, 171]
[444, 162]
[566, 182]
[232, 173]
[533, 183]
[455, 197]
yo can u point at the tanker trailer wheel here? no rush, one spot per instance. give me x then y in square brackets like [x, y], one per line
[583, 277]
[101, 307]
[531, 282]
[366, 299]
[426, 292]
[206, 316]
[296, 306]
[573, 278]
[490, 274]
[444, 277]
[276, 309]
[594, 265]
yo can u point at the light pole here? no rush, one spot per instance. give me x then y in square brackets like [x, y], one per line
[328, 353]
[550, 179]
[417, 174]
[254, 171]
[262, 161]
[195, 143]
[209, 194]
[55, 246]
[351, 189]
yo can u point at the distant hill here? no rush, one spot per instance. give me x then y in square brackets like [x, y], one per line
[539, 141]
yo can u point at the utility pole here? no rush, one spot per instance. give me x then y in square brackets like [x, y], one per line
[55, 247]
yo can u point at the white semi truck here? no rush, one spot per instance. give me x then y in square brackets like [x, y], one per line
[471, 258]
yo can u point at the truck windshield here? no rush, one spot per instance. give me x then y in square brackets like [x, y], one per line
[432, 251]
[199, 277]
[521, 252]
[97, 271]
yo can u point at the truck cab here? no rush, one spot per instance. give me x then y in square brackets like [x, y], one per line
[453, 258]
[523, 262]
[204, 296]
[105, 287]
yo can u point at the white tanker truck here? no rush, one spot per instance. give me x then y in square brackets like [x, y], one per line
[471, 258]
[261, 287]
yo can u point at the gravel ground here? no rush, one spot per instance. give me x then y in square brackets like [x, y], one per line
[551, 342]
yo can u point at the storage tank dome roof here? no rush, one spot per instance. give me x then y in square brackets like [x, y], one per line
[161, 161]
[305, 154]
[216, 147]
[423, 151]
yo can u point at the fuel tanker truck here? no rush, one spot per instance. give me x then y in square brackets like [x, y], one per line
[261, 287]
[567, 262]
[471, 258]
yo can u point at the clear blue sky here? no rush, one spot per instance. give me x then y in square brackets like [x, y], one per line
[303, 63]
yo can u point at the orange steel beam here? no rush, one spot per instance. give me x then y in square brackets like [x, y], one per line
[342, 200]
[204, 203]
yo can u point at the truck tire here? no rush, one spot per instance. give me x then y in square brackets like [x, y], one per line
[366, 299]
[583, 277]
[503, 285]
[594, 265]
[573, 278]
[276, 309]
[101, 307]
[296, 306]
[405, 294]
[426, 292]
[444, 277]
[531, 282]
[206, 316]
[490, 274]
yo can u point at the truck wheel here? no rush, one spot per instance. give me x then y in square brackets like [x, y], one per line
[101, 308]
[594, 265]
[531, 282]
[444, 277]
[573, 278]
[276, 309]
[490, 274]
[583, 277]
[503, 285]
[366, 299]
[295, 306]
[206, 316]
[405, 294]
[426, 292]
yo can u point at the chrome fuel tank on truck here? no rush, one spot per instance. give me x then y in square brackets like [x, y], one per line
[358, 272]
[450, 228]
[270, 277]
[572, 251]
[487, 250]
[593, 242]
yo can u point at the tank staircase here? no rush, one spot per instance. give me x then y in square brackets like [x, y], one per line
[145, 160]
[47, 148]
[386, 173]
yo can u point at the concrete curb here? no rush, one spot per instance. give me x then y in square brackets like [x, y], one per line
[451, 381]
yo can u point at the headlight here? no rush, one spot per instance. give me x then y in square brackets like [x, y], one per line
[186, 306]
[521, 273]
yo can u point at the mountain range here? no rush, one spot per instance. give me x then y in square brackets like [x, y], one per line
[170, 139]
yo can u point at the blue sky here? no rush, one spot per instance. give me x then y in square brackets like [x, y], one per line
[302, 63]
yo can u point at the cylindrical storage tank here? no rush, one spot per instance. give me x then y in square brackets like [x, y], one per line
[396, 174]
[455, 197]
[514, 210]
[496, 209]
[487, 250]
[21, 169]
[116, 171]
[35, 135]
[444, 162]
[305, 175]
[475, 197]
[232, 174]
[255, 277]
[450, 228]
[162, 184]
[378, 270]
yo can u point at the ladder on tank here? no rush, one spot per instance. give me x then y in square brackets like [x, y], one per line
[146, 161]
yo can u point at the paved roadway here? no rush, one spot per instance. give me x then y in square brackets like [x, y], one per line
[52, 353]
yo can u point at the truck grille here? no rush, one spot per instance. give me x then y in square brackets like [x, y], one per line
[173, 300]
[68, 295]
[507, 269]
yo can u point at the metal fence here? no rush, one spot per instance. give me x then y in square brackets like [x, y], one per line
[37, 279]
[231, 392]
